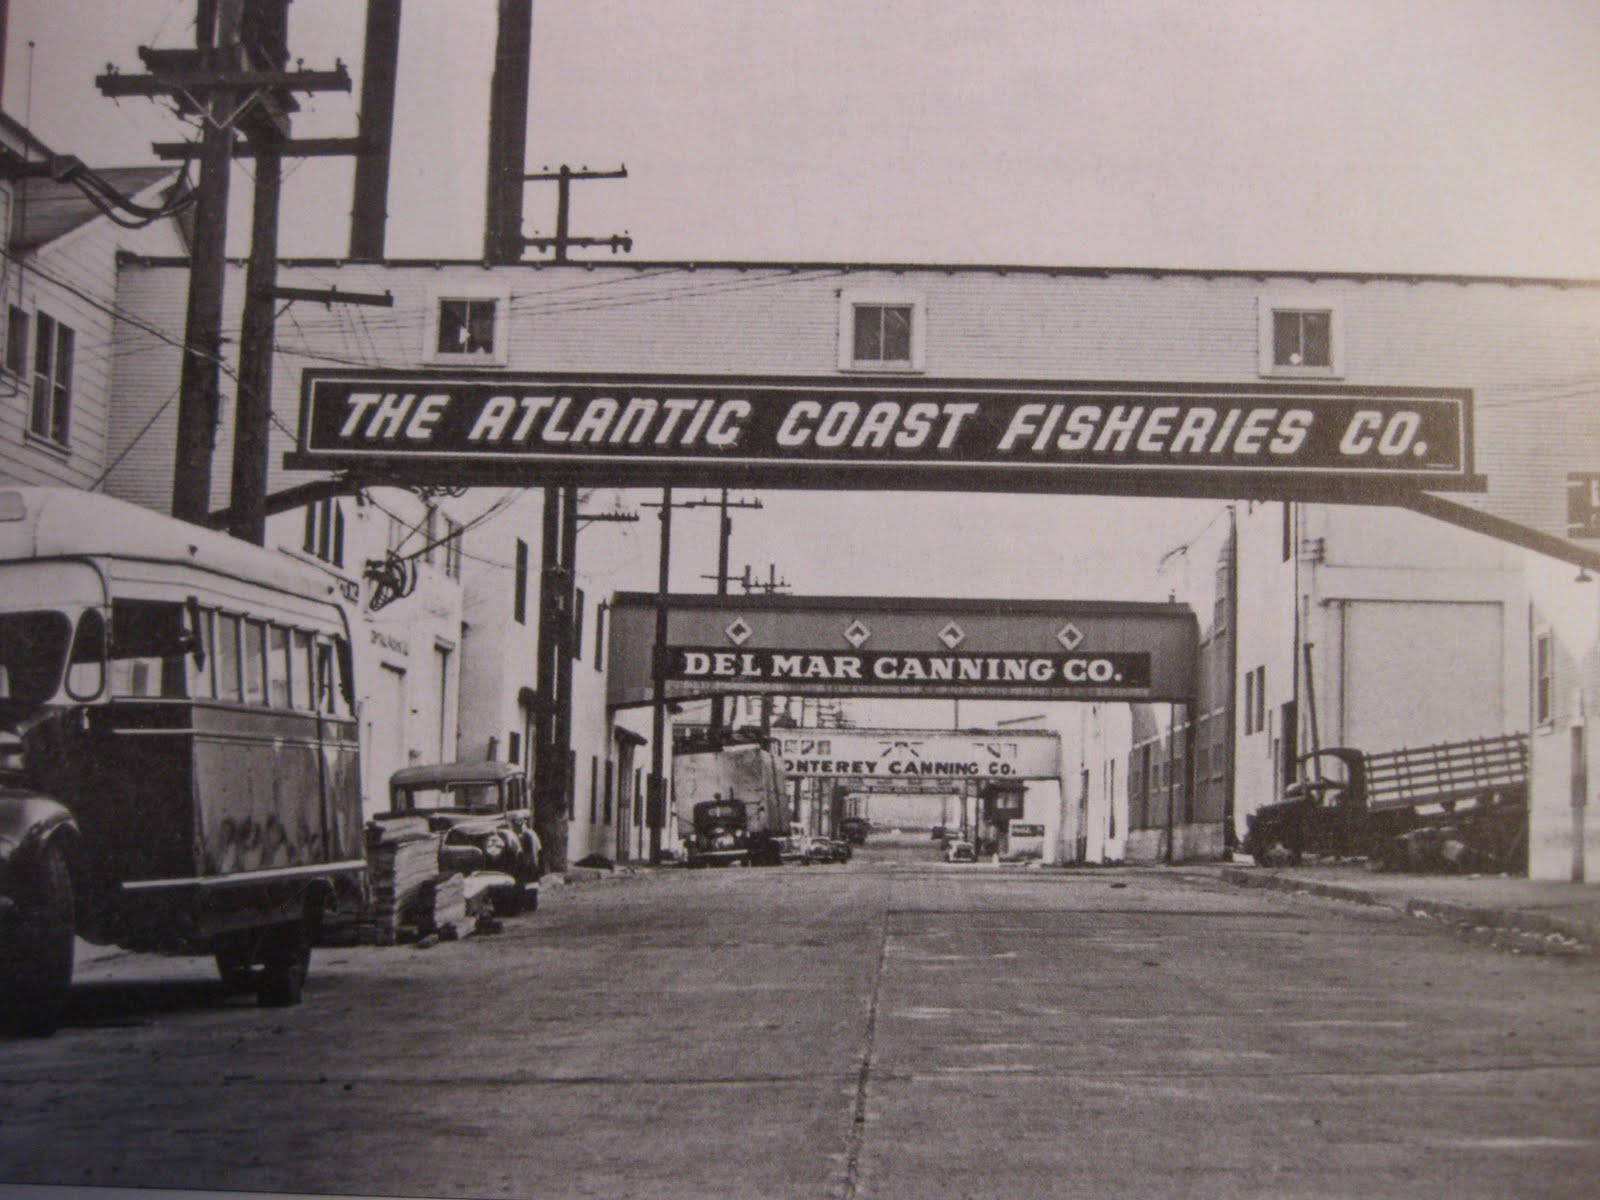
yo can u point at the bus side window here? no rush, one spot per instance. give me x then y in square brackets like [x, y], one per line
[277, 666]
[301, 668]
[254, 659]
[325, 680]
[228, 657]
[149, 647]
[200, 666]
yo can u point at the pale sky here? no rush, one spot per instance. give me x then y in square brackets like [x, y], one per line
[1451, 136]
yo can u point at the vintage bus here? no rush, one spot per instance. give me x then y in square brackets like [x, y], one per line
[178, 760]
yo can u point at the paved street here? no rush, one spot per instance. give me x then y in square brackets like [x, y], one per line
[889, 1028]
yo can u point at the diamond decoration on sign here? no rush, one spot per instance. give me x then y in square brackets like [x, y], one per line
[856, 634]
[738, 632]
[952, 635]
[1070, 636]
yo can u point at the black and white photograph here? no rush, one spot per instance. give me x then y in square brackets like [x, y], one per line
[823, 600]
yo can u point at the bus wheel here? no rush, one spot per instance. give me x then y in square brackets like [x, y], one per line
[234, 953]
[285, 961]
[36, 947]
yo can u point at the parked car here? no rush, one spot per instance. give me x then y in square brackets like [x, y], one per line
[956, 852]
[485, 817]
[832, 850]
[795, 847]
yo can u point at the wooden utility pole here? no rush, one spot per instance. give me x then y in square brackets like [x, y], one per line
[724, 535]
[217, 40]
[656, 809]
[380, 54]
[234, 82]
[508, 132]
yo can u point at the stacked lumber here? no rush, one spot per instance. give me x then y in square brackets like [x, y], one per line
[449, 916]
[402, 870]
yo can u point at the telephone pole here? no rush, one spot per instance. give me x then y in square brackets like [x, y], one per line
[724, 535]
[235, 82]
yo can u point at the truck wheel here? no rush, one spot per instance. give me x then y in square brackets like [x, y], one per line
[36, 948]
[235, 954]
[285, 961]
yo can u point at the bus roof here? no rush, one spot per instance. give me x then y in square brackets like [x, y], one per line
[47, 522]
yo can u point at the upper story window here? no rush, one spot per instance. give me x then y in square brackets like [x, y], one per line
[16, 340]
[452, 546]
[1300, 335]
[1544, 670]
[52, 379]
[324, 535]
[469, 327]
[880, 331]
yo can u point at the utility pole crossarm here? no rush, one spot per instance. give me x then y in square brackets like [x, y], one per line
[331, 296]
[562, 240]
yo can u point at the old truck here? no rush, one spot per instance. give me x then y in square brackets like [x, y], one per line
[1452, 805]
[178, 760]
[732, 786]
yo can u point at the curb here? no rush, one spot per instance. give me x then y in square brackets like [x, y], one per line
[1578, 937]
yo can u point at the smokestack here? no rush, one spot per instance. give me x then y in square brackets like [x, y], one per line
[508, 133]
[369, 209]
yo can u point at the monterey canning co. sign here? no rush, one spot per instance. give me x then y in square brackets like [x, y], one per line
[923, 433]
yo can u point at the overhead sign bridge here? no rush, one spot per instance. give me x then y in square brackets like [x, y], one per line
[1290, 440]
[845, 645]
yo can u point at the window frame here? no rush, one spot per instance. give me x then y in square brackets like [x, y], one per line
[50, 380]
[1268, 307]
[468, 295]
[852, 299]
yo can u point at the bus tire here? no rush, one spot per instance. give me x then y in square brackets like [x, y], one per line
[234, 953]
[36, 947]
[285, 962]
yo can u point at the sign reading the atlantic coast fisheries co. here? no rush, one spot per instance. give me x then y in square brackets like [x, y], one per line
[841, 431]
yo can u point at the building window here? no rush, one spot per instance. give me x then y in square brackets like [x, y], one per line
[577, 623]
[594, 789]
[1543, 679]
[605, 801]
[325, 532]
[513, 748]
[519, 596]
[16, 340]
[452, 548]
[468, 327]
[1300, 336]
[880, 331]
[600, 636]
[1255, 700]
[52, 379]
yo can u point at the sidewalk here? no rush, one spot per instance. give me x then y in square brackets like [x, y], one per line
[1564, 917]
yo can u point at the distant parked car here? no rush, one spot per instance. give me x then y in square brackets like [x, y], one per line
[795, 848]
[957, 852]
[829, 850]
[483, 811]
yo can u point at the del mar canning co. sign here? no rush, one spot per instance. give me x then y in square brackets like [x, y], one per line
[841, 432]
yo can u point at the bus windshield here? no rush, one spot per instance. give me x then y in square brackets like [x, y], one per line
[33, 654]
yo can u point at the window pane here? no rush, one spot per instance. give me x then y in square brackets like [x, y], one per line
[227, 657]
[200, 673]
[1316, 335]
[327, 685]
[61, 403]
[869, 333]
[16, 340]
[1285, 339]
[277, 666]
[253, 658]
[480, 327]
[897, 334]
[300, 669]
[452, 326]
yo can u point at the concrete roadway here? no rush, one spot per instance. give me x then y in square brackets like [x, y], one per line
[889, 1028]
